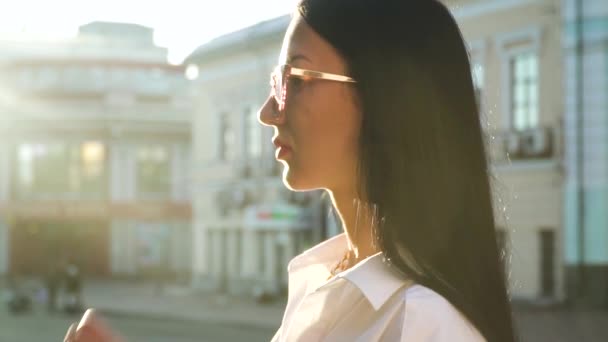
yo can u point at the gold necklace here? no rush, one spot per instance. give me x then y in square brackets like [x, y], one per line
[340, 266]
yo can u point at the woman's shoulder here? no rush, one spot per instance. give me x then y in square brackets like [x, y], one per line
[430, 316]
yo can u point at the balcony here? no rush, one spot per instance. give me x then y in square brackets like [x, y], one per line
[532, 146]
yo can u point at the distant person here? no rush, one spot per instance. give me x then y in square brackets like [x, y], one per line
[52, 284]
[73, 288]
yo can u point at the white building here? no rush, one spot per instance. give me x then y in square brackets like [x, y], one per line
[247, 224]
[95, 159]
[516, 50]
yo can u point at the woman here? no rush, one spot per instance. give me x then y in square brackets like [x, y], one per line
[373, 101]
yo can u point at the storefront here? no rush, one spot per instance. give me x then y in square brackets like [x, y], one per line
[47, 234]
[251, 255]
[131, 240]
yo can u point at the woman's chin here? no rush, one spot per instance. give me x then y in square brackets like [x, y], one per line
[295, 182]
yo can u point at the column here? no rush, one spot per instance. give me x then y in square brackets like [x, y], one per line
[118, 248]
[232, 252]
[249, 256]
[217, 255]
[122, 172]
[131, 256]
[5, 172]
[131, 172]
[180, 180]
[4, 248]
[5, 188]
[201, 243]
[181, 248]
[200, 262]
[270, 276]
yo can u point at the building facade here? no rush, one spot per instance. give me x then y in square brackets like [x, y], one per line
[515, 49]
[95, 159]
[517, 61]
[247, 225]
[585, 50]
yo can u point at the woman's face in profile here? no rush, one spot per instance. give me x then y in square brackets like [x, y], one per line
[320, 123]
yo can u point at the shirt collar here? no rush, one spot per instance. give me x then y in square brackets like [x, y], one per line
[326, 252]
[374, 277]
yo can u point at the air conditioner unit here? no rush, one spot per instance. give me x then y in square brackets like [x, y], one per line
[512, 144]
[537, 143]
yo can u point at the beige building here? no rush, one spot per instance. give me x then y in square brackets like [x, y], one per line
[247, 224]
[515, 50]
[94, 162]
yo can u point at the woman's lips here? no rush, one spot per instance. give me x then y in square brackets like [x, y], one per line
[282, 152]
[282, 148]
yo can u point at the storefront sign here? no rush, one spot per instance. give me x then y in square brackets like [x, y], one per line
[278, 216]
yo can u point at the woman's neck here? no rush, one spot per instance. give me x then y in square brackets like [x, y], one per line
[357, 222]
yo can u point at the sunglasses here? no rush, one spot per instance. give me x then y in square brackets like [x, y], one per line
[279, 80]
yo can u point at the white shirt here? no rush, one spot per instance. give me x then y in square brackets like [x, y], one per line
[368, 302]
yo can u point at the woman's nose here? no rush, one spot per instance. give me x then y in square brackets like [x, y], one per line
[269, 114]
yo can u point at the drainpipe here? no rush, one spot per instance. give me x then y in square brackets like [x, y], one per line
[580, 144]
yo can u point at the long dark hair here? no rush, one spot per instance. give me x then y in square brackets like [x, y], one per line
[423, 167]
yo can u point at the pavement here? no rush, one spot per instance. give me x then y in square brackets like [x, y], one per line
[534, 322]
[38, 324]
[133, 300]
[180, 303]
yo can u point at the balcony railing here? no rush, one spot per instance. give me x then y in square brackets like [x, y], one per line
[541, 143]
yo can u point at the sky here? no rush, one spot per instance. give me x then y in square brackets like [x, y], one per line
[179, 25]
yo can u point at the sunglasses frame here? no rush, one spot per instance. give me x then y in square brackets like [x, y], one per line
[285, 71]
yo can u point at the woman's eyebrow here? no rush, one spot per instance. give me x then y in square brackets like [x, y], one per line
[294, 58]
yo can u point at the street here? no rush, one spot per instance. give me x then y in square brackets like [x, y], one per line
[140, 312]
[554, 326]
[41, 326]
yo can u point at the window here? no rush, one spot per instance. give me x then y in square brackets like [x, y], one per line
[97, 77]
[60, 168]
[92, 165]
[227, 138]
[153, 171]
[524, 91]
[547, 263]
[27, 77]
[253, 134]
[477, 72]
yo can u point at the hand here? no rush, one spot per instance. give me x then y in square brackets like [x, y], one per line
[91, 328]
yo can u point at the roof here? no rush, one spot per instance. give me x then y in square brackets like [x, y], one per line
[244, 39]
[96, 26]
